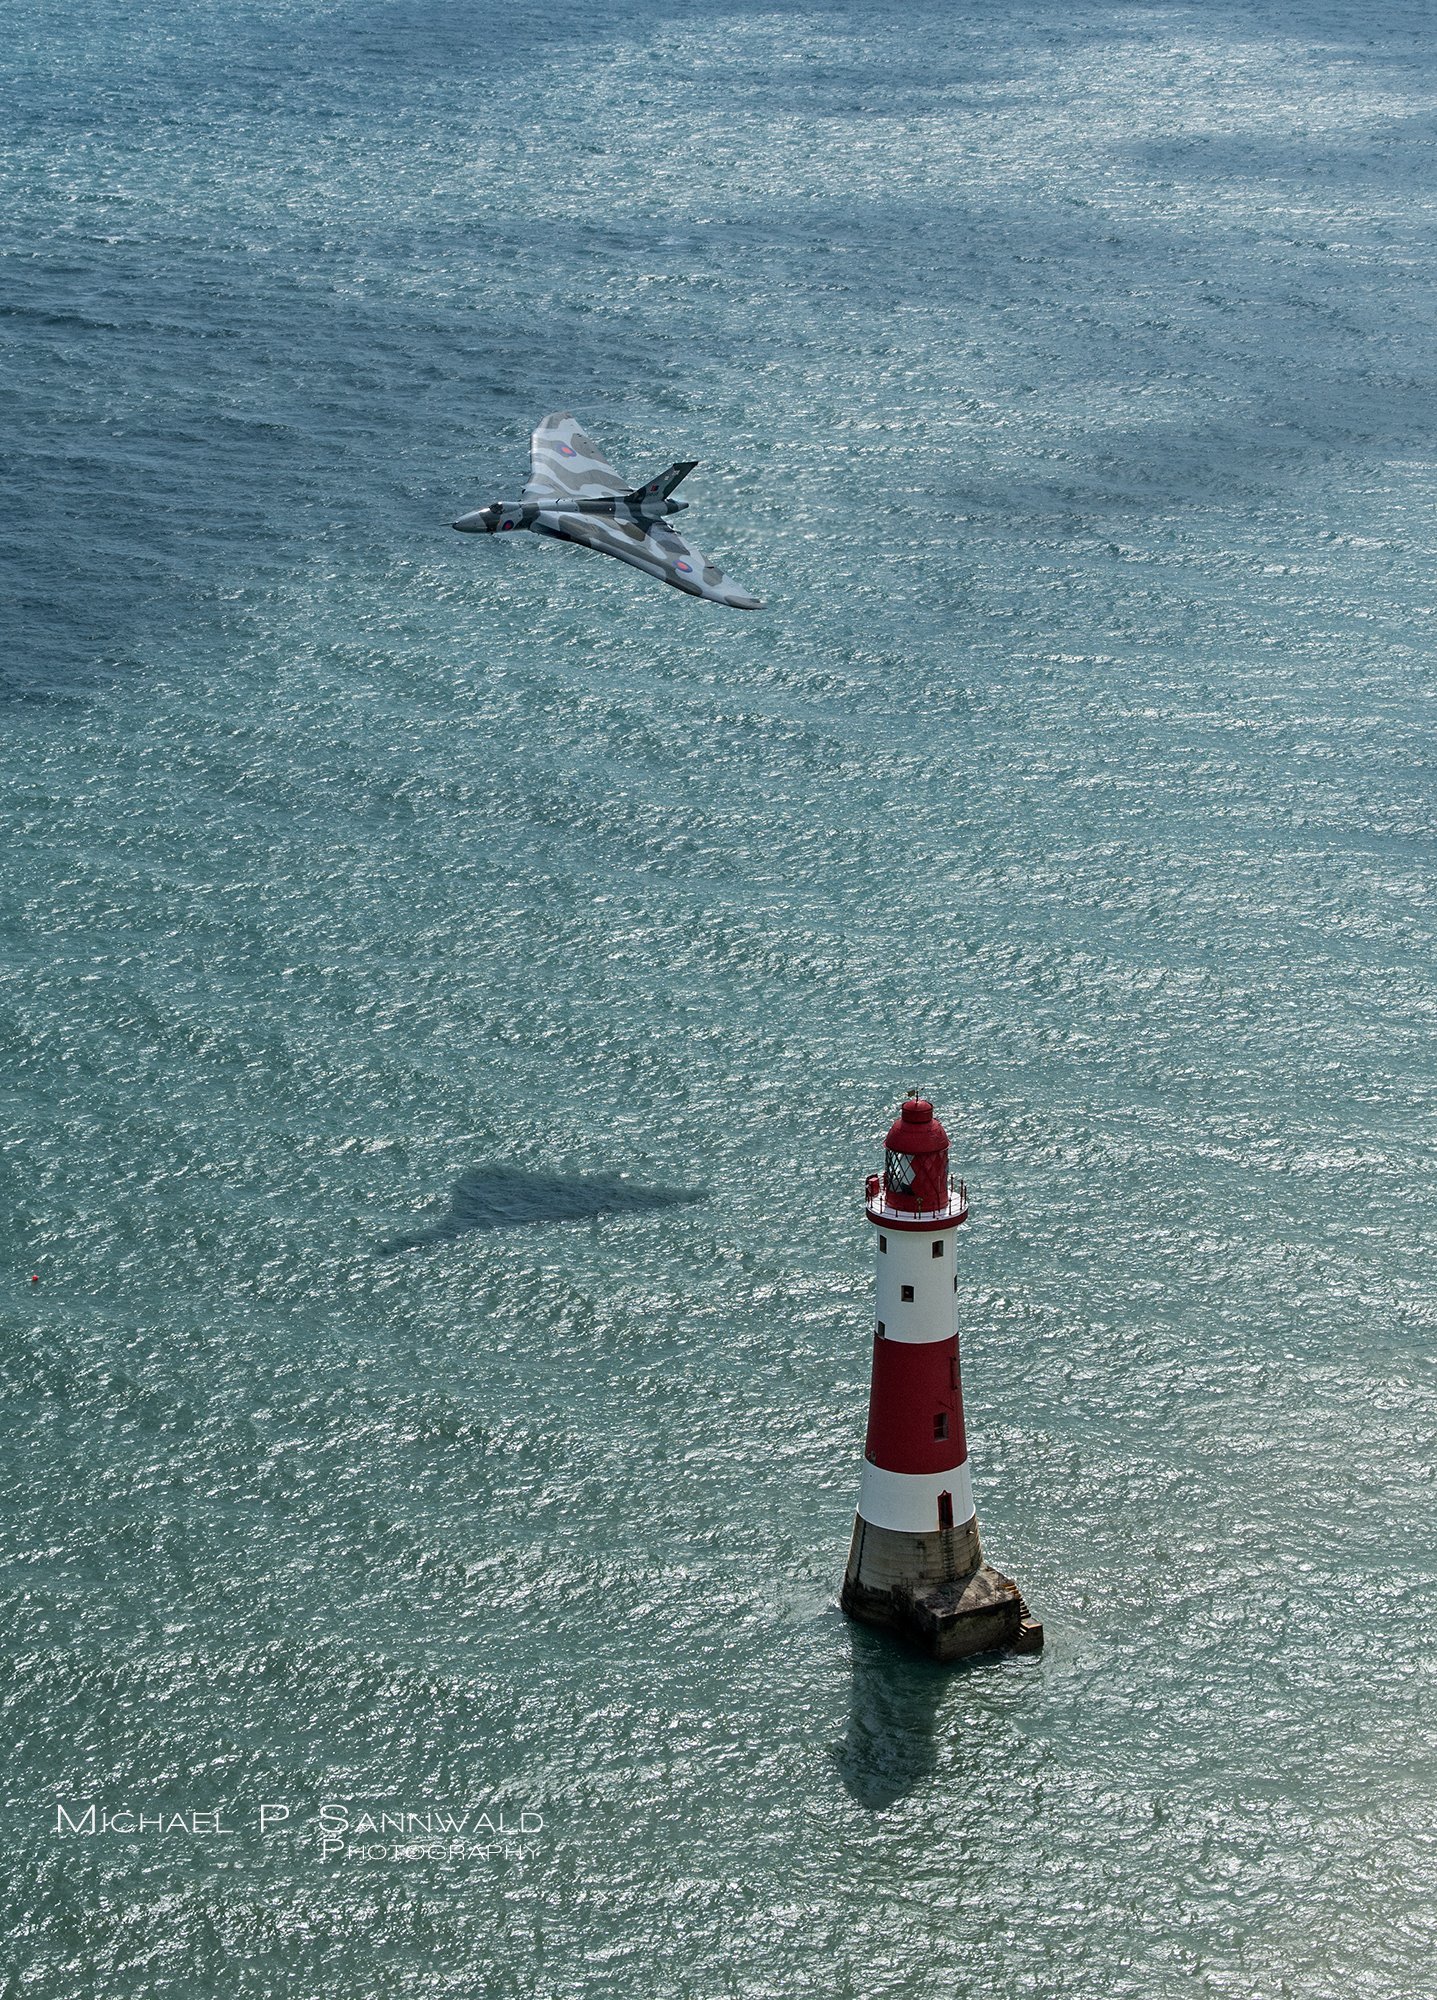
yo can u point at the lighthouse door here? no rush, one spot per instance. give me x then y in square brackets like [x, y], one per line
[945, 1510]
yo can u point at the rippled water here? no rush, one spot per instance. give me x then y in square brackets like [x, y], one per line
[1063, 378]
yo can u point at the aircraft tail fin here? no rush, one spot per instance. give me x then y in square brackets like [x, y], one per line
[663, 483]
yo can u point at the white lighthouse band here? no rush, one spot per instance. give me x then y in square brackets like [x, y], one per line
[908, 1502]
[915, 1296]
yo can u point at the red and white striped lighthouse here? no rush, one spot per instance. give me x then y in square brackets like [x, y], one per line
[916, 1562]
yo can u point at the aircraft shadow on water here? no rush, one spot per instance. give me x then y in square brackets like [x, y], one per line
[506, 1197]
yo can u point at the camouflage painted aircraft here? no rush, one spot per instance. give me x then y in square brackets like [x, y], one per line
[575, 495]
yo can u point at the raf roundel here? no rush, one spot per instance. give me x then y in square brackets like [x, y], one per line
[567, 451]
[687, 568]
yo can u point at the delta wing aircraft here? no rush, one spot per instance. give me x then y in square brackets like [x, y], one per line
[575, 495]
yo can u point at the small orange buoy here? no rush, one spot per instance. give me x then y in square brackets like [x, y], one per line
[34, 1277]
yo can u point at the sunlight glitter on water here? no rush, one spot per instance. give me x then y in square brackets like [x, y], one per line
[1064, 384]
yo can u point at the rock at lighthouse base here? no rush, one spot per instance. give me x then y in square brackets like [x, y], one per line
[972, 1608]
[978, 1613]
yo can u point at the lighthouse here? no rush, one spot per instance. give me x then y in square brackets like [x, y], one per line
[916, 1563]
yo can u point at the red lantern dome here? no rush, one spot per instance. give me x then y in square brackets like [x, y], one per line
[915, 1172]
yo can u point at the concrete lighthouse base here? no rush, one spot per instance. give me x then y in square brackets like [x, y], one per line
[936, 1591]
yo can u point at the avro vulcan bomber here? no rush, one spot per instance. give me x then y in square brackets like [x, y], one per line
[575, 495]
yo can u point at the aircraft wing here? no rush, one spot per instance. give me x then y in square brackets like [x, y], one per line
[566, 465]
[656, 548]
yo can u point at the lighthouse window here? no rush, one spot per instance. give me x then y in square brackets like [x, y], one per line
[940, 1424]
[882, 1329]
[883, 1244]
[900, 1173]
[905, 1292]
[937, 1249]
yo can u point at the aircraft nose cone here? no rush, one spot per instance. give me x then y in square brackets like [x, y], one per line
[470, 524]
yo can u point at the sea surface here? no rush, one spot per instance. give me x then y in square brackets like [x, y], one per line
[451, 992]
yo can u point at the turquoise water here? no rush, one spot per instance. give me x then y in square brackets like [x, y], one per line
[1063, 379]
